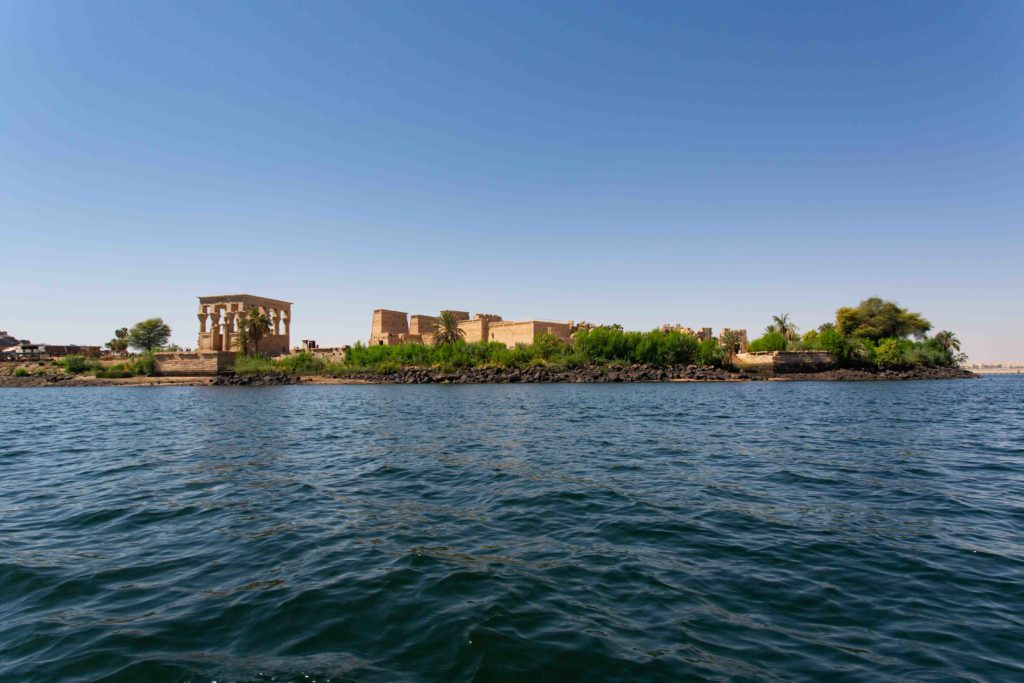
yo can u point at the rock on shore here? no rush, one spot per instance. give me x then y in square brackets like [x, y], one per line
[263, 379]
[535, 375]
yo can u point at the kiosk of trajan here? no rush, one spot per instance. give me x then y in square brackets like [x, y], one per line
[219, 317]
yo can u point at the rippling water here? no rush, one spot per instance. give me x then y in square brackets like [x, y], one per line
[765, 531]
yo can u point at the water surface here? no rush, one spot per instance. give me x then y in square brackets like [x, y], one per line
[764, 531]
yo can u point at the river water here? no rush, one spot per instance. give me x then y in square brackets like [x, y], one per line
[639, 532]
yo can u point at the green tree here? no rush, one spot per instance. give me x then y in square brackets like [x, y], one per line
[784, 326]
[771, 341]
[253, 326]
[730, 342]
[890, 353]
[119, 344]
[876, 319]
[148, 334]
[948, 341]
[447, 330]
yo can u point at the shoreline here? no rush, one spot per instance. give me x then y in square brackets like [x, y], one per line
[535, 375]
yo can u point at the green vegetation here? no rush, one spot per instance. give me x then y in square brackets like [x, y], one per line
[872, 334]
[448, 330]
[876, 320]
[119, 344]
[610, 345]
[149, 335]
[76, 364]
[770, 341]
[144, 365]
[21, 372]
[782, 325]
[252, 326]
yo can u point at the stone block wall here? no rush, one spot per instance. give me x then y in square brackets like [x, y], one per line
[389, 322]
[196, 363]
[784, 361]
[422, 324]
[511, 333]
[475, 330]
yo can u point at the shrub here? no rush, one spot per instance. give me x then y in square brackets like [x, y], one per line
[771, 341]
[249, 365]
[75, 364]
[143, 365]
[113, 373]
[303, 363]
[20, 372]
[892, 353]
[709, 352]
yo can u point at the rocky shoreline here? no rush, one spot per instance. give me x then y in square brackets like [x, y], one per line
[535, 375]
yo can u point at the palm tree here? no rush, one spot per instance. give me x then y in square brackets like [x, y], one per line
[252, 327]
[447, 330]
[730, 342]
[784, 326]
[948, 340]
[119, 344]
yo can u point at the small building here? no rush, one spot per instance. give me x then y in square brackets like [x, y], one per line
[25, 351]
[59, 351]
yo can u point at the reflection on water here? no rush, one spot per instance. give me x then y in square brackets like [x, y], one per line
[553, 532]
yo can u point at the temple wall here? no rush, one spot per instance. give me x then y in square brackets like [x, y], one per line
[389, 322]
[511, 333]
[192, 363]
[422, 324]
[475, 330]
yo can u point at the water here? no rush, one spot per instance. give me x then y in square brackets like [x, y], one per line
[766, 531]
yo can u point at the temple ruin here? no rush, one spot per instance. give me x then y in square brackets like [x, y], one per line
[219, 317]
[397, 327]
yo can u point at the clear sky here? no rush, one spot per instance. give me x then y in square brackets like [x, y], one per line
[704, 163]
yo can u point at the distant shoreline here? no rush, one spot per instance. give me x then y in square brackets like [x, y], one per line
[536, 375]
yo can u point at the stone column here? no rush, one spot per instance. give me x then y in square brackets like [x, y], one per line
[229, 328]
[202, 321]
[214, 344]
[287, 315]
[275, 320]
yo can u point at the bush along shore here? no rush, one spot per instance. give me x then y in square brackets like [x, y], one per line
[871, 341]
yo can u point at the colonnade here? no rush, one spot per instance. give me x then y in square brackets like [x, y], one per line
[219, 325]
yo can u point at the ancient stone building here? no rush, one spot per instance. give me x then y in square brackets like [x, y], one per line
[389, 327]
[741, 336]
[512, 332]
[219, 317]
[395, 327]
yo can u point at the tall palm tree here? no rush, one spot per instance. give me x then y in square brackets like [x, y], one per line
[948, 340]
[253, 326]
[784, 326]
[730, 342]
[447, 330]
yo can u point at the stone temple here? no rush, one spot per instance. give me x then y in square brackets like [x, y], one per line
[397, 327]
[219, 317]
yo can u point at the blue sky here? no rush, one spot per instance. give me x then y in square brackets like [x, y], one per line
[702, 163]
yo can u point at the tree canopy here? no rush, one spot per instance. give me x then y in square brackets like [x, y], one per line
[876, 319]
[149, 334]
[447, 330]
[253, 325]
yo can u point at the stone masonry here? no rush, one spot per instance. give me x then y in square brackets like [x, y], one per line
[219, 317]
